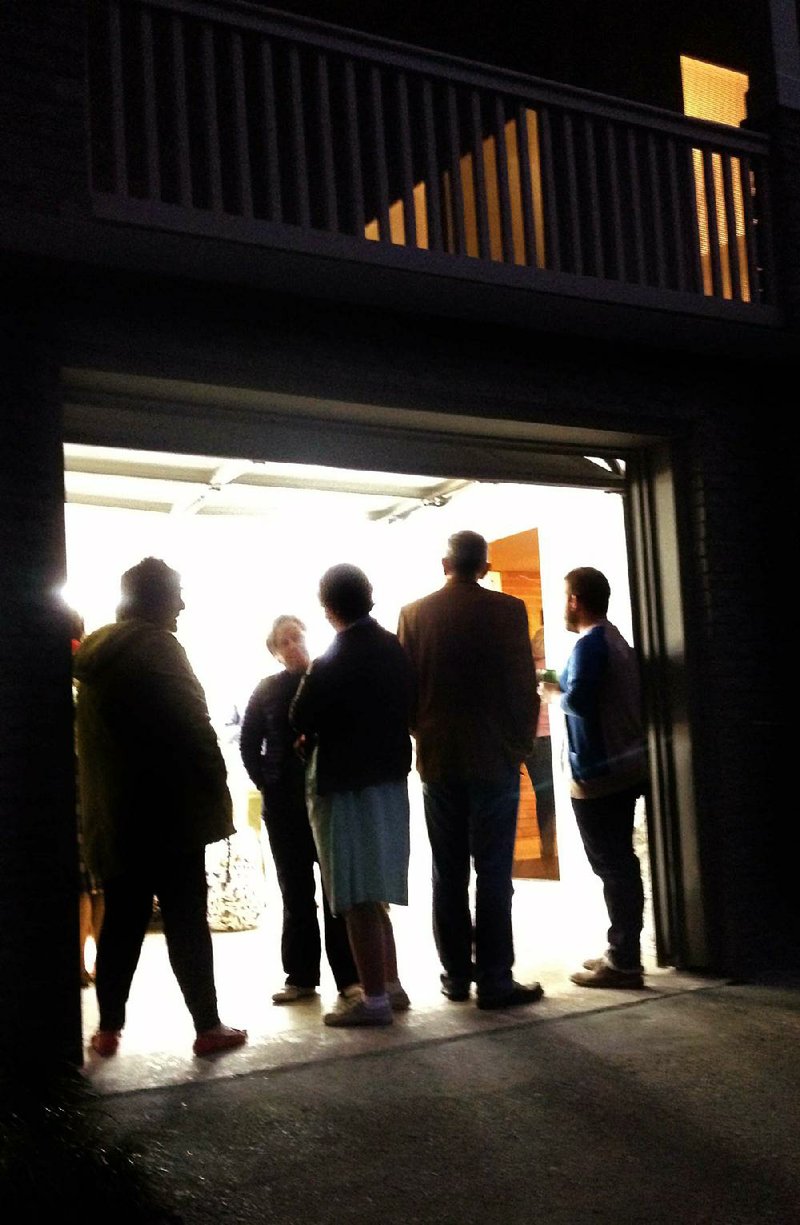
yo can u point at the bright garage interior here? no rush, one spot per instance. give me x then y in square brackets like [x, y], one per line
[250, 540]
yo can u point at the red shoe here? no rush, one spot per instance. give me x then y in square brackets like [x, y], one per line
[105, 1042]
[220, 1038]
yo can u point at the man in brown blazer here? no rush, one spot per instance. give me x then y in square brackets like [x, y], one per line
[474, 725]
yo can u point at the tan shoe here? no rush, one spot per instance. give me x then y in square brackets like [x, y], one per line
[291, 994]
[604, 975]
[359, 1013]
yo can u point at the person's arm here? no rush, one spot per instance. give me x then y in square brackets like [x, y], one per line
[523, 698]
[583, 676]
[407, 643]
[169, 699]
[251, 738]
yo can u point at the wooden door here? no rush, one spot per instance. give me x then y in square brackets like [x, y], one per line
[514, 562]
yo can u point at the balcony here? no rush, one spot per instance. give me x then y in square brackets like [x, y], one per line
[227, 122]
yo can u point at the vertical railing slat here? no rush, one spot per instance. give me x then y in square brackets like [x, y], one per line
[151, 143]
[331, 212]
[240, 137]
[457, 191]
[616, 202]
[502, 179]
[299, 139]
[694, 206]
[352, 141]
[272, 168]
[678, 215]
[379, 152]
[636, 209]
[406, 161]
[594, 197]
[212, 120]
[121, 180]
[658, 212]
[572, 196]
[479, 170]
[550, 201]
[730, 220]
[713, 223]
[526, 185]
[433, 190]
[183, 148]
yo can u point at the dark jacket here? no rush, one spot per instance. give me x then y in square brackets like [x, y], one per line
[152, 776]
[355, 703]
[477, 703]
[266, 742]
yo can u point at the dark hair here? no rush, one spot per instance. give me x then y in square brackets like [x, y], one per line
[467, 553]
[277, 626]
[146, 587]
[591, 587]
[346, 591]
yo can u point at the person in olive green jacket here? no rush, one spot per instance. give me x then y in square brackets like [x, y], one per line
[154, 793]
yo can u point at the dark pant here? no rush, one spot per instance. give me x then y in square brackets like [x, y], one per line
[294, 853]
[474, 821]
[540, 771]
[606, 829]
[182, 891]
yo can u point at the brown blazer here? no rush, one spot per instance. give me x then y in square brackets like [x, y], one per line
[477, 704]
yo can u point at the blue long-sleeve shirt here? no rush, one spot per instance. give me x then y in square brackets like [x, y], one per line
[602, 704]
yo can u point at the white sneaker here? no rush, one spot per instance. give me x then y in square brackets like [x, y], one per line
[291, 994]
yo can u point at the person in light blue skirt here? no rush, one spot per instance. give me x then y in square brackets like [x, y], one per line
[351, 714]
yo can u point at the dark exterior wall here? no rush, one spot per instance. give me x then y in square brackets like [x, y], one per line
[42, 106]
[39, 963]
[721, 413]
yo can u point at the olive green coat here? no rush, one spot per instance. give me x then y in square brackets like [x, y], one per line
[151, 774]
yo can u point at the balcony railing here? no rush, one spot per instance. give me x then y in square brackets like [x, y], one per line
[232, 122]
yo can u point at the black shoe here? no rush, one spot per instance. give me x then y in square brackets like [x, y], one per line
[456, 989]
[517, 996]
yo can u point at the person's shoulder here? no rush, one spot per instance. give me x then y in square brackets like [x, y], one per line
[503, 602]
[419, 605]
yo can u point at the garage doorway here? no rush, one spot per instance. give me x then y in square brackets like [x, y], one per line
[251, 540]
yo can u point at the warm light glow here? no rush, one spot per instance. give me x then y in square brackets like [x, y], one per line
[719, 95]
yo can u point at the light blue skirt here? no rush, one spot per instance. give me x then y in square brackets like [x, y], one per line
[363, 842]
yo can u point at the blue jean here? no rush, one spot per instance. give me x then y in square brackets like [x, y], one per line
[606, 829]
[474, 821]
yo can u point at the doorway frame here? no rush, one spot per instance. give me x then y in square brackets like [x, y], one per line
[120, 409]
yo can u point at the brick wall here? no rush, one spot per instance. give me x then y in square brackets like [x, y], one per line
[38, 847]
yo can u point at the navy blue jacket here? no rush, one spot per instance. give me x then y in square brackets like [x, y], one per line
[355, 704]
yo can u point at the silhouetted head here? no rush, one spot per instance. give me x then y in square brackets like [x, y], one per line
[467, 556]
[345, 593]
[588, 593]
[151, 591]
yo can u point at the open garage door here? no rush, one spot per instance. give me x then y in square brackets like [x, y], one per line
[217, 452]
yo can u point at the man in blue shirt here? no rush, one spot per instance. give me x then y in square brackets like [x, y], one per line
[599, 694]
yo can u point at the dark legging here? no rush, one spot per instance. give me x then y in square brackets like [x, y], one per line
[292, 844]
[181, 888]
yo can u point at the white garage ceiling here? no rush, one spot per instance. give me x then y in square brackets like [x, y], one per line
[208, 485]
